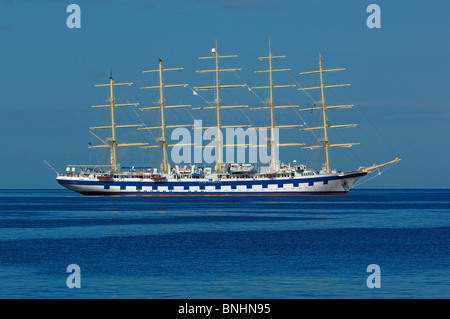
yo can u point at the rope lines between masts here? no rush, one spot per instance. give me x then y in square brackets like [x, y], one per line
[365, 179]
[357, 107]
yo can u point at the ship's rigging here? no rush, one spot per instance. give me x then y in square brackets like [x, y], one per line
[289, 179]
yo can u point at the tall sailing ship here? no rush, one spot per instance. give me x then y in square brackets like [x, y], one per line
[223, 178]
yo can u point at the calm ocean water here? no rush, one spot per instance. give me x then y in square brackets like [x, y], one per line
[225, 247]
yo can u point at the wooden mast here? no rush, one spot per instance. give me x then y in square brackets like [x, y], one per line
[323, 108]
[217, 101]
[271, 106]
[113, 142]
[162, 107]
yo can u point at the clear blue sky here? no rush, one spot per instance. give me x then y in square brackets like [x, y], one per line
[399, 74]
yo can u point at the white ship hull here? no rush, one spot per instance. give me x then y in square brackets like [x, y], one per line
[326, 184]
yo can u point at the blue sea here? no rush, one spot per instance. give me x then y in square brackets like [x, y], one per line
[228, 247]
